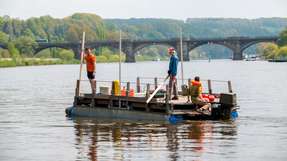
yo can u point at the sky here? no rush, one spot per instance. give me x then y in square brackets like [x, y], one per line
[175, 9]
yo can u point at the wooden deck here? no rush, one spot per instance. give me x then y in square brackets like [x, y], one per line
[173, 107]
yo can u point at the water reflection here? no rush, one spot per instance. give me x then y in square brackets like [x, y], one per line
[122, 140]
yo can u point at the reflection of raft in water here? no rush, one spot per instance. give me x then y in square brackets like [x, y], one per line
[132, 105]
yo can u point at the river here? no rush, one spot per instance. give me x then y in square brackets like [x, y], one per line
[33, 126]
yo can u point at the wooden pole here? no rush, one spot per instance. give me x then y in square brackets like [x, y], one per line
[127, 94]
[181, 57]
[82, 57]
[167, 98]
[77, 92]
[156, 90]
[138, 85]
[189, 86]
[147, 91]
[120, 59]
[229, 87]
[120, 65]
[155, 83]
[209, 86]
[128, 89]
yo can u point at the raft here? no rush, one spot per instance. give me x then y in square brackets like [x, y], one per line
[108, 104]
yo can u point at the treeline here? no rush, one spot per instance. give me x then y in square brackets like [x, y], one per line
[22, 35]
[201, 28]
[276, 51]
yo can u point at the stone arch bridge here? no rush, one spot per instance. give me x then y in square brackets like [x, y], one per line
[130, 47]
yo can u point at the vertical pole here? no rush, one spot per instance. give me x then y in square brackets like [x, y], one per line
[167, 98]
[77, 93]
[128, 89]
[138, 85]
[120, 64]
[95, 86]
[209, 86]
[127, 95]
[147, 96]
[189, 86]
[82, 57]
[181, 57]
[155, 83]
[229, 86]
[112, 95]
[147, 90]
[120, 58]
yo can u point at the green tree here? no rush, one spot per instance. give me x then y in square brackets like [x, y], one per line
[270, 51]
[283, 38]
[13, 51]
[282, 53]
[28, 32]
[3, 37]
[25, 45]
[66, 55]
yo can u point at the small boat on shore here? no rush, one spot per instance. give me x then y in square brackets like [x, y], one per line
[132, 104]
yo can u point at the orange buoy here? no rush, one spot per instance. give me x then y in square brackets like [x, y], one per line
[211, 98]
[123, 91]
[204, 95]
[132, 93]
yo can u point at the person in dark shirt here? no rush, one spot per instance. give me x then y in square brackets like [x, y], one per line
[172, 71]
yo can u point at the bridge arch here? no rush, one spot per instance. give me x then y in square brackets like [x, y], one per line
[215, 45]
[43, 48]
[157, 51]
[247, 45]
[224, 44]
[141, 46]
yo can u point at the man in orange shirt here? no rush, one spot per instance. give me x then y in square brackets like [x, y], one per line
[91, 68]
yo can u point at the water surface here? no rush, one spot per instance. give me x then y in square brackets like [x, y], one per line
[33, 125]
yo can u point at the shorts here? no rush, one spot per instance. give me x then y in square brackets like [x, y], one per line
[91, 75]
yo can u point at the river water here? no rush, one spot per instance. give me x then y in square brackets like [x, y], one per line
[33, 126]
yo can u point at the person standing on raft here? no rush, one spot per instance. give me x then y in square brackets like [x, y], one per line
[196, 95]
[172, 71]
[91, 68]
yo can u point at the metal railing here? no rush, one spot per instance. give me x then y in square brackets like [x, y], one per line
[142, 84]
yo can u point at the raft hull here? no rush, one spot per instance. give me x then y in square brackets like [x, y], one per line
[114, 113]
[135, 108]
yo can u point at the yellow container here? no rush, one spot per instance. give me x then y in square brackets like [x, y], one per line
[116, 87]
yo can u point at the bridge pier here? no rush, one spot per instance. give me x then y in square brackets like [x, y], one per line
[237, 56]
[185, 52]
[77, 51]
[130, 55]
[237, 52]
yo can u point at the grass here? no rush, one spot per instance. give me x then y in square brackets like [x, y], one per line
[9, 62]
[34, 61]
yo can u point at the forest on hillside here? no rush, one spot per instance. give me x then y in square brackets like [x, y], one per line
[22, 35]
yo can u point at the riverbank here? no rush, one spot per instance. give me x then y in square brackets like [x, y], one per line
[9, 62]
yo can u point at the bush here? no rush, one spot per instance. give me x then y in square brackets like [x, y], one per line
[66, 55]
[114, 58]
[13, 51]
[282, 53]
[4, 53]
[102, 58]
[7, 63]
[44, 54]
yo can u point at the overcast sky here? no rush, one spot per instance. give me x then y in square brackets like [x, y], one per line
[176, 9]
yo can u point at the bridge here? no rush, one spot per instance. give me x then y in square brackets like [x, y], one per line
[130, 47]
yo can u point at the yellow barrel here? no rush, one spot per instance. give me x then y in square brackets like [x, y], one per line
[116, 87]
